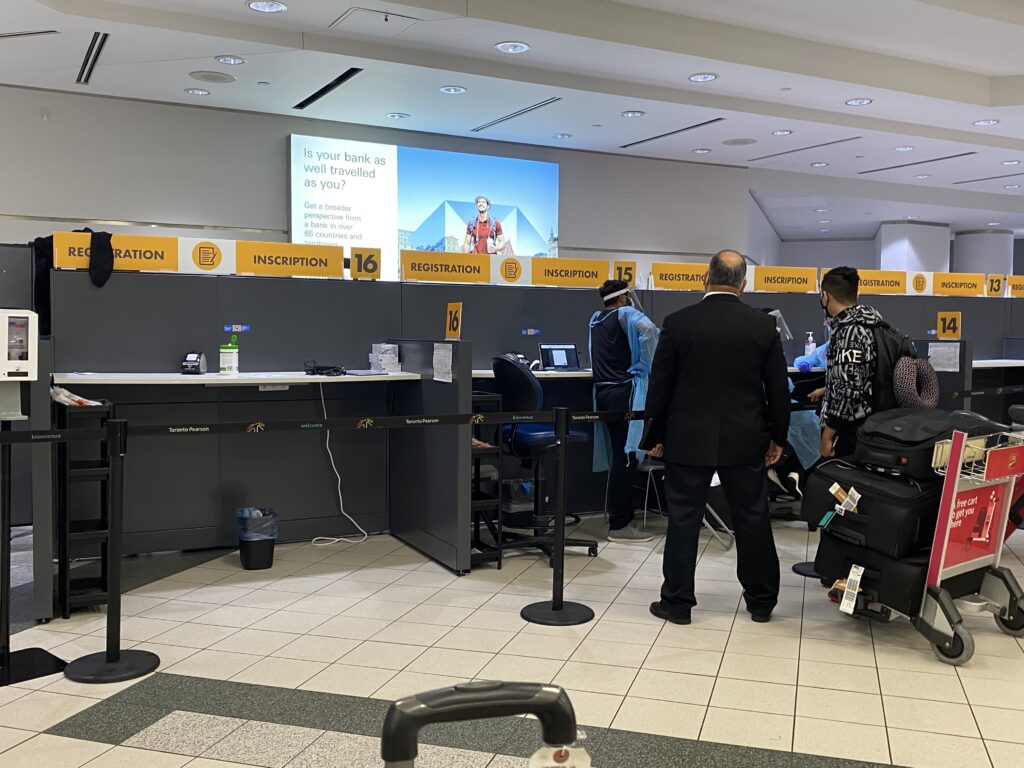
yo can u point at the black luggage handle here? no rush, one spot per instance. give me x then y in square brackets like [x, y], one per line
[475, 701]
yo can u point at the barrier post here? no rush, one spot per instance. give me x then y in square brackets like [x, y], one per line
[114, 665]
[558, 612]
[29, 663]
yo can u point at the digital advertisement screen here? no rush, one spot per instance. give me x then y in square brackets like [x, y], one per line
[355, 193]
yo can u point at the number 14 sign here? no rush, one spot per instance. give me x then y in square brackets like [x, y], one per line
[948, 326]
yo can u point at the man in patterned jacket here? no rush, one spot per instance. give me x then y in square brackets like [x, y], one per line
[852, 359]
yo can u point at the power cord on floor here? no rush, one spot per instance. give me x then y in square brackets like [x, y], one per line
[326, 541]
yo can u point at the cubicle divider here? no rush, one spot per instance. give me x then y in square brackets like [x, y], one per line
[429, 494]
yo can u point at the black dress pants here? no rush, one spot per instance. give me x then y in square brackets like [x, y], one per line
[746, 489]
[621, 474]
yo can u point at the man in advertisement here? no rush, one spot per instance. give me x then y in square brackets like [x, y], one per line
[483, 233]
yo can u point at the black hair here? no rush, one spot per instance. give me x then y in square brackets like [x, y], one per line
[721, 273]
[611, 286]
[842, 284]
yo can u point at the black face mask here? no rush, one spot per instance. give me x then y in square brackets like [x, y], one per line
[824, 308]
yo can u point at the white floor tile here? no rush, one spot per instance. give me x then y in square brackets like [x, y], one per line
[459, 598]
[316, 648]
[194, 635]
[910, 660]
[468, 639]
[350, 627]
[994, 693]
[597, 678]
[216, 665]
[408, 633]
[130, 757]
[279, 672]
[623, 632]
[521, 668]
[542, 646]
[664, 718]
[862, 708]
[675, 636]
[40, 710]
[372, 608]
[931, 716]
[294, 622]
[233, 616]
[218, 595]
[382, 655]
[748, 729]
[410, 683]
[485, 619]
[1005, 755]
[917, 749]
[138, 629]
[595, 709]
[444, 661]
[450, 616]
[255, 641]
[267, 598]
[53, 752]
[348, 681]
[753, 696]
[921, 685]
[849, 741]
[348, 588]
[324, 605]
[999, 724]
[819, 674]
[672, 686]
[858, 654]
[764, 645]
[683, 660]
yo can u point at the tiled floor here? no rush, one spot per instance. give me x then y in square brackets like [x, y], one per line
[378, 620]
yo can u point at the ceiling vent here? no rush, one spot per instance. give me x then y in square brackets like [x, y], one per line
[364, 22]
[92, 55]
[31, 33]
[341, 79]
[672, 133]
[919, 162]
[518, 113]
[804, 149]
[209, 76]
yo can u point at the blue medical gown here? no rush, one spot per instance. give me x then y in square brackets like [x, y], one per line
[805, 426]
[643, 340]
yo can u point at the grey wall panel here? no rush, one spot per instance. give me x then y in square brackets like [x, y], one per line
[15, 276]
[491, 317]
[140, 323]
[562, 315]
[330, 321]
[984, 320]
[291, 473]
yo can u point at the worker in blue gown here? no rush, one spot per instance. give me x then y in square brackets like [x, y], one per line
[622, 344]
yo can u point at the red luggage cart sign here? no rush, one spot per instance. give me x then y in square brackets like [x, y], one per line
[1004, 462]
[974, 529]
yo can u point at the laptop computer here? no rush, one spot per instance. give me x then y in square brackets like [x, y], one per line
[559, 357]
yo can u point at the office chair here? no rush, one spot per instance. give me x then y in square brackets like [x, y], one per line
[530, 443]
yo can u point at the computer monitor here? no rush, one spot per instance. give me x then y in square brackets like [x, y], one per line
[559, 357]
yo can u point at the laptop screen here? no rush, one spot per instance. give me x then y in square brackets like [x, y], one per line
[558, 356]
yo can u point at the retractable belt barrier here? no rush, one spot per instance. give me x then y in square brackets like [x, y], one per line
[1012, 389]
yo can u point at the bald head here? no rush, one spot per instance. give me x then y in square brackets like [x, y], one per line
[727, 272]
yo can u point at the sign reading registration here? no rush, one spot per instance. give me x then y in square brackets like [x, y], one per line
[132, 253]
[440, 267]
[678, 277]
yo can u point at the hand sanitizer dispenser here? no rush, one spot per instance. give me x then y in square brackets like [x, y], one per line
[20, 362]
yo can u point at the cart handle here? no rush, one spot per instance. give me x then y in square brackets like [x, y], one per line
[476, 701]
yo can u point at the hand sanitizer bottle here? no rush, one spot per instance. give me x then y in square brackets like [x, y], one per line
[809, 345]
[229, 356]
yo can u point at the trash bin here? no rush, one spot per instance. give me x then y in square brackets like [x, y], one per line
[257, 532]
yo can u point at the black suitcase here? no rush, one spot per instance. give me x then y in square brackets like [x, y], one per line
[894, 516]
[897, 584]
[901, 441]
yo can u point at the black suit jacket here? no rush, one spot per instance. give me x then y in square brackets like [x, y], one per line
[718, 389]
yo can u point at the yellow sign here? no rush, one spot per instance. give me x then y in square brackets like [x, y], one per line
[919, 283]
[1016, 285]
[958, 284]
[132, 253]
[511, 269]
[453, 321]
[364, 264]
[948, 326]
[289, 260]
[569, 273]
[626, 271]
[678, 277]
[207, 256]
[440, 267]
[786, 279]
[880, 281]
[995, 285]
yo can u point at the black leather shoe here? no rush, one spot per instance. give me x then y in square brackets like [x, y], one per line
[761, 618]
[659, 610]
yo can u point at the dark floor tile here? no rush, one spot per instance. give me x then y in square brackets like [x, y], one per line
[625, 749]
[800, 760]
[478, 735]
[109, 722]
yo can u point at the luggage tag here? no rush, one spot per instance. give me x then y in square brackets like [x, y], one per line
[847, 500]
[852, 588]
[560, 757]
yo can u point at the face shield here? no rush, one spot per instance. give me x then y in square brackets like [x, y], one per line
[781, 326]
[630, 293]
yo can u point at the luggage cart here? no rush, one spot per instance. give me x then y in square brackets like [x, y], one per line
[964, 574]
[479, 700]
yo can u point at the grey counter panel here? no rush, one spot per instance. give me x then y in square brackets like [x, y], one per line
[142, 323]
[331, 321]
[15, 276]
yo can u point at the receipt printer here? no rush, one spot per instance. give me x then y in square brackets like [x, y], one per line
[19, 365]
[194, 363]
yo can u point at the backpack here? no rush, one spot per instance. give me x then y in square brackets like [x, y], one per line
[891, 345]
[473, 226]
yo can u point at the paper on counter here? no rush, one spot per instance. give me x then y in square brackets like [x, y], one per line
[443, 362]
[944, 357]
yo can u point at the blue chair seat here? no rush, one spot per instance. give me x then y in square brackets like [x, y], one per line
[526, 439]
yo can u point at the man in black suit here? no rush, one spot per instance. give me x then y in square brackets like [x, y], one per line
[718, 401]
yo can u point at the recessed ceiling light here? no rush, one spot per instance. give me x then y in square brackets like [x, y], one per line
[700, 151]
[633, 113]
[986, 123]
[903, 148]
[908, 218]
[819, 165]
[452, 89]
[398, 115]
[512, 46]
[1011, 186]
[197, 92]
[781, 132]
[703, 77]
[862, 102]
[1010, 162]
[231, 61]
[561, 136]
[993, 224]
[824, 230]
[822, 210]
[267, 6]
[923, 176]
[824, 221]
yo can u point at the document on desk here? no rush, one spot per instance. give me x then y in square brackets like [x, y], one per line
[443, 362]
[944, 357]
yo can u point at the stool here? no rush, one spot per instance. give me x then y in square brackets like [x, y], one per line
[724, 535]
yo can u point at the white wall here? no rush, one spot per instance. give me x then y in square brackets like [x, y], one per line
[913, 247]
[763, 244]
[988, 252]
[829, 253]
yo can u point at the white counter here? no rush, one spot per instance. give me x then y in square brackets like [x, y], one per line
[998, 364]
[263, 379]
[486, 373]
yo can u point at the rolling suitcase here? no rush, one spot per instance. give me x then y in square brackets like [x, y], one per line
[901, 441]
[894, 516]
[896, 584]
